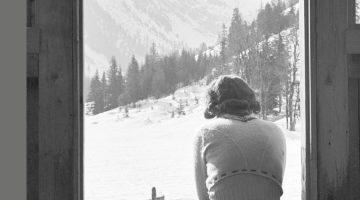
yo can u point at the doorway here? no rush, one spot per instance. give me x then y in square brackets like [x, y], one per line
[146, 69]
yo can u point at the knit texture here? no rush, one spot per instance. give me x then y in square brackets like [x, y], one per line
[240, 159]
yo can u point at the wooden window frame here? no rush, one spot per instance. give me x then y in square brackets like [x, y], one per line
[309, 139]
[55, 155]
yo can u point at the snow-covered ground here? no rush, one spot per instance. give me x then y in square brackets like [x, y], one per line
[126, 157]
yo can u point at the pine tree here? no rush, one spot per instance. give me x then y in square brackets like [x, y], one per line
[264, 21]
[169, 64]
[183, 65]
[133, 81]
[189, 67]
[278, 19]
[271, 19]
[158, 86]
[237, 34]
[281, 69]
[115, 83]
[240, 41]
[147, 71]
[124, 99]
[272, 57]
[146, 74]
[202, 65]
[95, 94]
[94, 87]
[120, 81]
[223, 49]
[104, 93]
[265, 76]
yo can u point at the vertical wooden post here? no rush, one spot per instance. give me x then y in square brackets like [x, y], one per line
[309, 148]
[54, 100]
[332, 97]
[32, 96]
[336, 117]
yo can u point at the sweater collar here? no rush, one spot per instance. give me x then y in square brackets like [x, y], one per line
[245, 118]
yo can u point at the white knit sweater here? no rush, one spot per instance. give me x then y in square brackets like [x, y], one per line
[237, 160]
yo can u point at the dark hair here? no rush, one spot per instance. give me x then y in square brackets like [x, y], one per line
[229, 94]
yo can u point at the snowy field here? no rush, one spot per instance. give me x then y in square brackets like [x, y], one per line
[126, 157]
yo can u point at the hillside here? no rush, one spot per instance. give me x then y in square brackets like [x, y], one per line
[285, 34]
[122, 28]
[125, 157]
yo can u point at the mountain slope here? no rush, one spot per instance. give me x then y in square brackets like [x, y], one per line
[125, 157]
[128, 27]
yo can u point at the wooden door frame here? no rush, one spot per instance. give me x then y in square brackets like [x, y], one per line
[309, 137]
[77, 113]
[54, 100]
[55, 154]
[329, 168]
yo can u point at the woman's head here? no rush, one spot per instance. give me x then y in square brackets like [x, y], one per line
[230, 95]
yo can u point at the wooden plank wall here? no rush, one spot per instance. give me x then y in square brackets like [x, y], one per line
[336, 104]
[56, 138]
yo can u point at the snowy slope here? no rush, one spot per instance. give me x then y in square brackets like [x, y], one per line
[125, 157]
[285, 34]
[126, 27]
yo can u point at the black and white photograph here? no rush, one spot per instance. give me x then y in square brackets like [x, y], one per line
[186, 100]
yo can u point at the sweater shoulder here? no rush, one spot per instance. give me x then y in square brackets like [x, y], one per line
[271, 127]
[211, 128]
[223, 123]
[215, 124]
